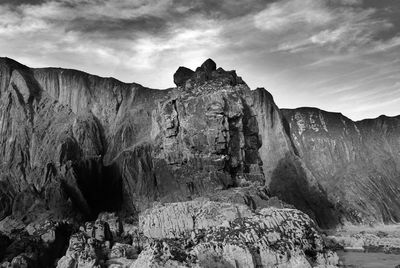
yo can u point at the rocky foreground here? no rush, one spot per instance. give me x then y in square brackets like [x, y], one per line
[199, 233]
[98, 173]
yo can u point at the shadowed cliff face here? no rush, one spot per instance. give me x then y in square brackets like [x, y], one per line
[285, 174]
[356, 163]
[73, 143]
[55, 128]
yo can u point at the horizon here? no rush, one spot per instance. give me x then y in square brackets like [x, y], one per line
[133, 82]
[335, 55]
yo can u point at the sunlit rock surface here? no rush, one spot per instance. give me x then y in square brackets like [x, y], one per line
[201, 233]
[356, 163]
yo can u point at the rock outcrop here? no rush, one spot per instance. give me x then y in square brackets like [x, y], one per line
[201, 233]
[209, 234]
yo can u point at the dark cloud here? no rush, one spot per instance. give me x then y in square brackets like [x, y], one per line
[177, 14]
[23, 2]
[224, 9]
[119, 28]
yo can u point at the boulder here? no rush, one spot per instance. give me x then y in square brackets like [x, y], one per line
[182, 75]
[209, 66]
[212, 234]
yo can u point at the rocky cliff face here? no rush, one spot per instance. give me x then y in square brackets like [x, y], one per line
[73, 145]
[76, 141]
[357, 163]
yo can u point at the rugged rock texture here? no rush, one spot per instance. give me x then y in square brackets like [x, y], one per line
[201, 233]
[36, 245]
[209, 234]
[286, 175]
[71, 142]
[357, 163]
[102, 243]
[203, 138]
[73, 145]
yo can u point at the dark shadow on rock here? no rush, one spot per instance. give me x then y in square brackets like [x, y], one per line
[6, 199]
[4, 243]
[286, 127]
[39, 254]
[291, 184]
[94, 188]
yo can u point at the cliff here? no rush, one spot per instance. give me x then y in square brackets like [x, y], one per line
[77, 144]
[356, 163]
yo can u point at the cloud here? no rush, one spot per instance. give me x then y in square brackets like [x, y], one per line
[283, 15]
[298, 49]
[308, 24]
[351, 2]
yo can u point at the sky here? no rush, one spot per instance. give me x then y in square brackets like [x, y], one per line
[337, 55]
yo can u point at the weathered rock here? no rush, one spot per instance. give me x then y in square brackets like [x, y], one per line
[271, 238]
[94, 245]
[123, 251]
[76, 144]
[10, 225]
[83, 252]
[39, 245]
[203, 139]
[285, 173]
[91, 144]
[176, 220]
[114, 223]
[356, 163]
[182, 75]
[161, 254]
[21, 262]
[209, 66]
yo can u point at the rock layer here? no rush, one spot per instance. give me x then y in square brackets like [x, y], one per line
[209, 234]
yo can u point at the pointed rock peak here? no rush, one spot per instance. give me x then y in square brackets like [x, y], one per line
[207, 72]
[209, 66]
[182, 75]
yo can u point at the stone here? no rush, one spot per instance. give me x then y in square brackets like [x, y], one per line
[66, 262]
[123, 251]
[176, 220]
[82, 252]
[209, 66]
[114, 223]
[20, 262]
[269, 238]
[182, 75]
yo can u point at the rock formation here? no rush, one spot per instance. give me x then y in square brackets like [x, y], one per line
[202, 233]
[357, 163]
[73, 145]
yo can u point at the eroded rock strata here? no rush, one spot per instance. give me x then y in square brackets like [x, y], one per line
[73, 145]
[357, 163]
[201, 233]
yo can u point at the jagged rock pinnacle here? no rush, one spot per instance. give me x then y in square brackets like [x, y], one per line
[182, 75]
[209, 66]
[185, 77]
